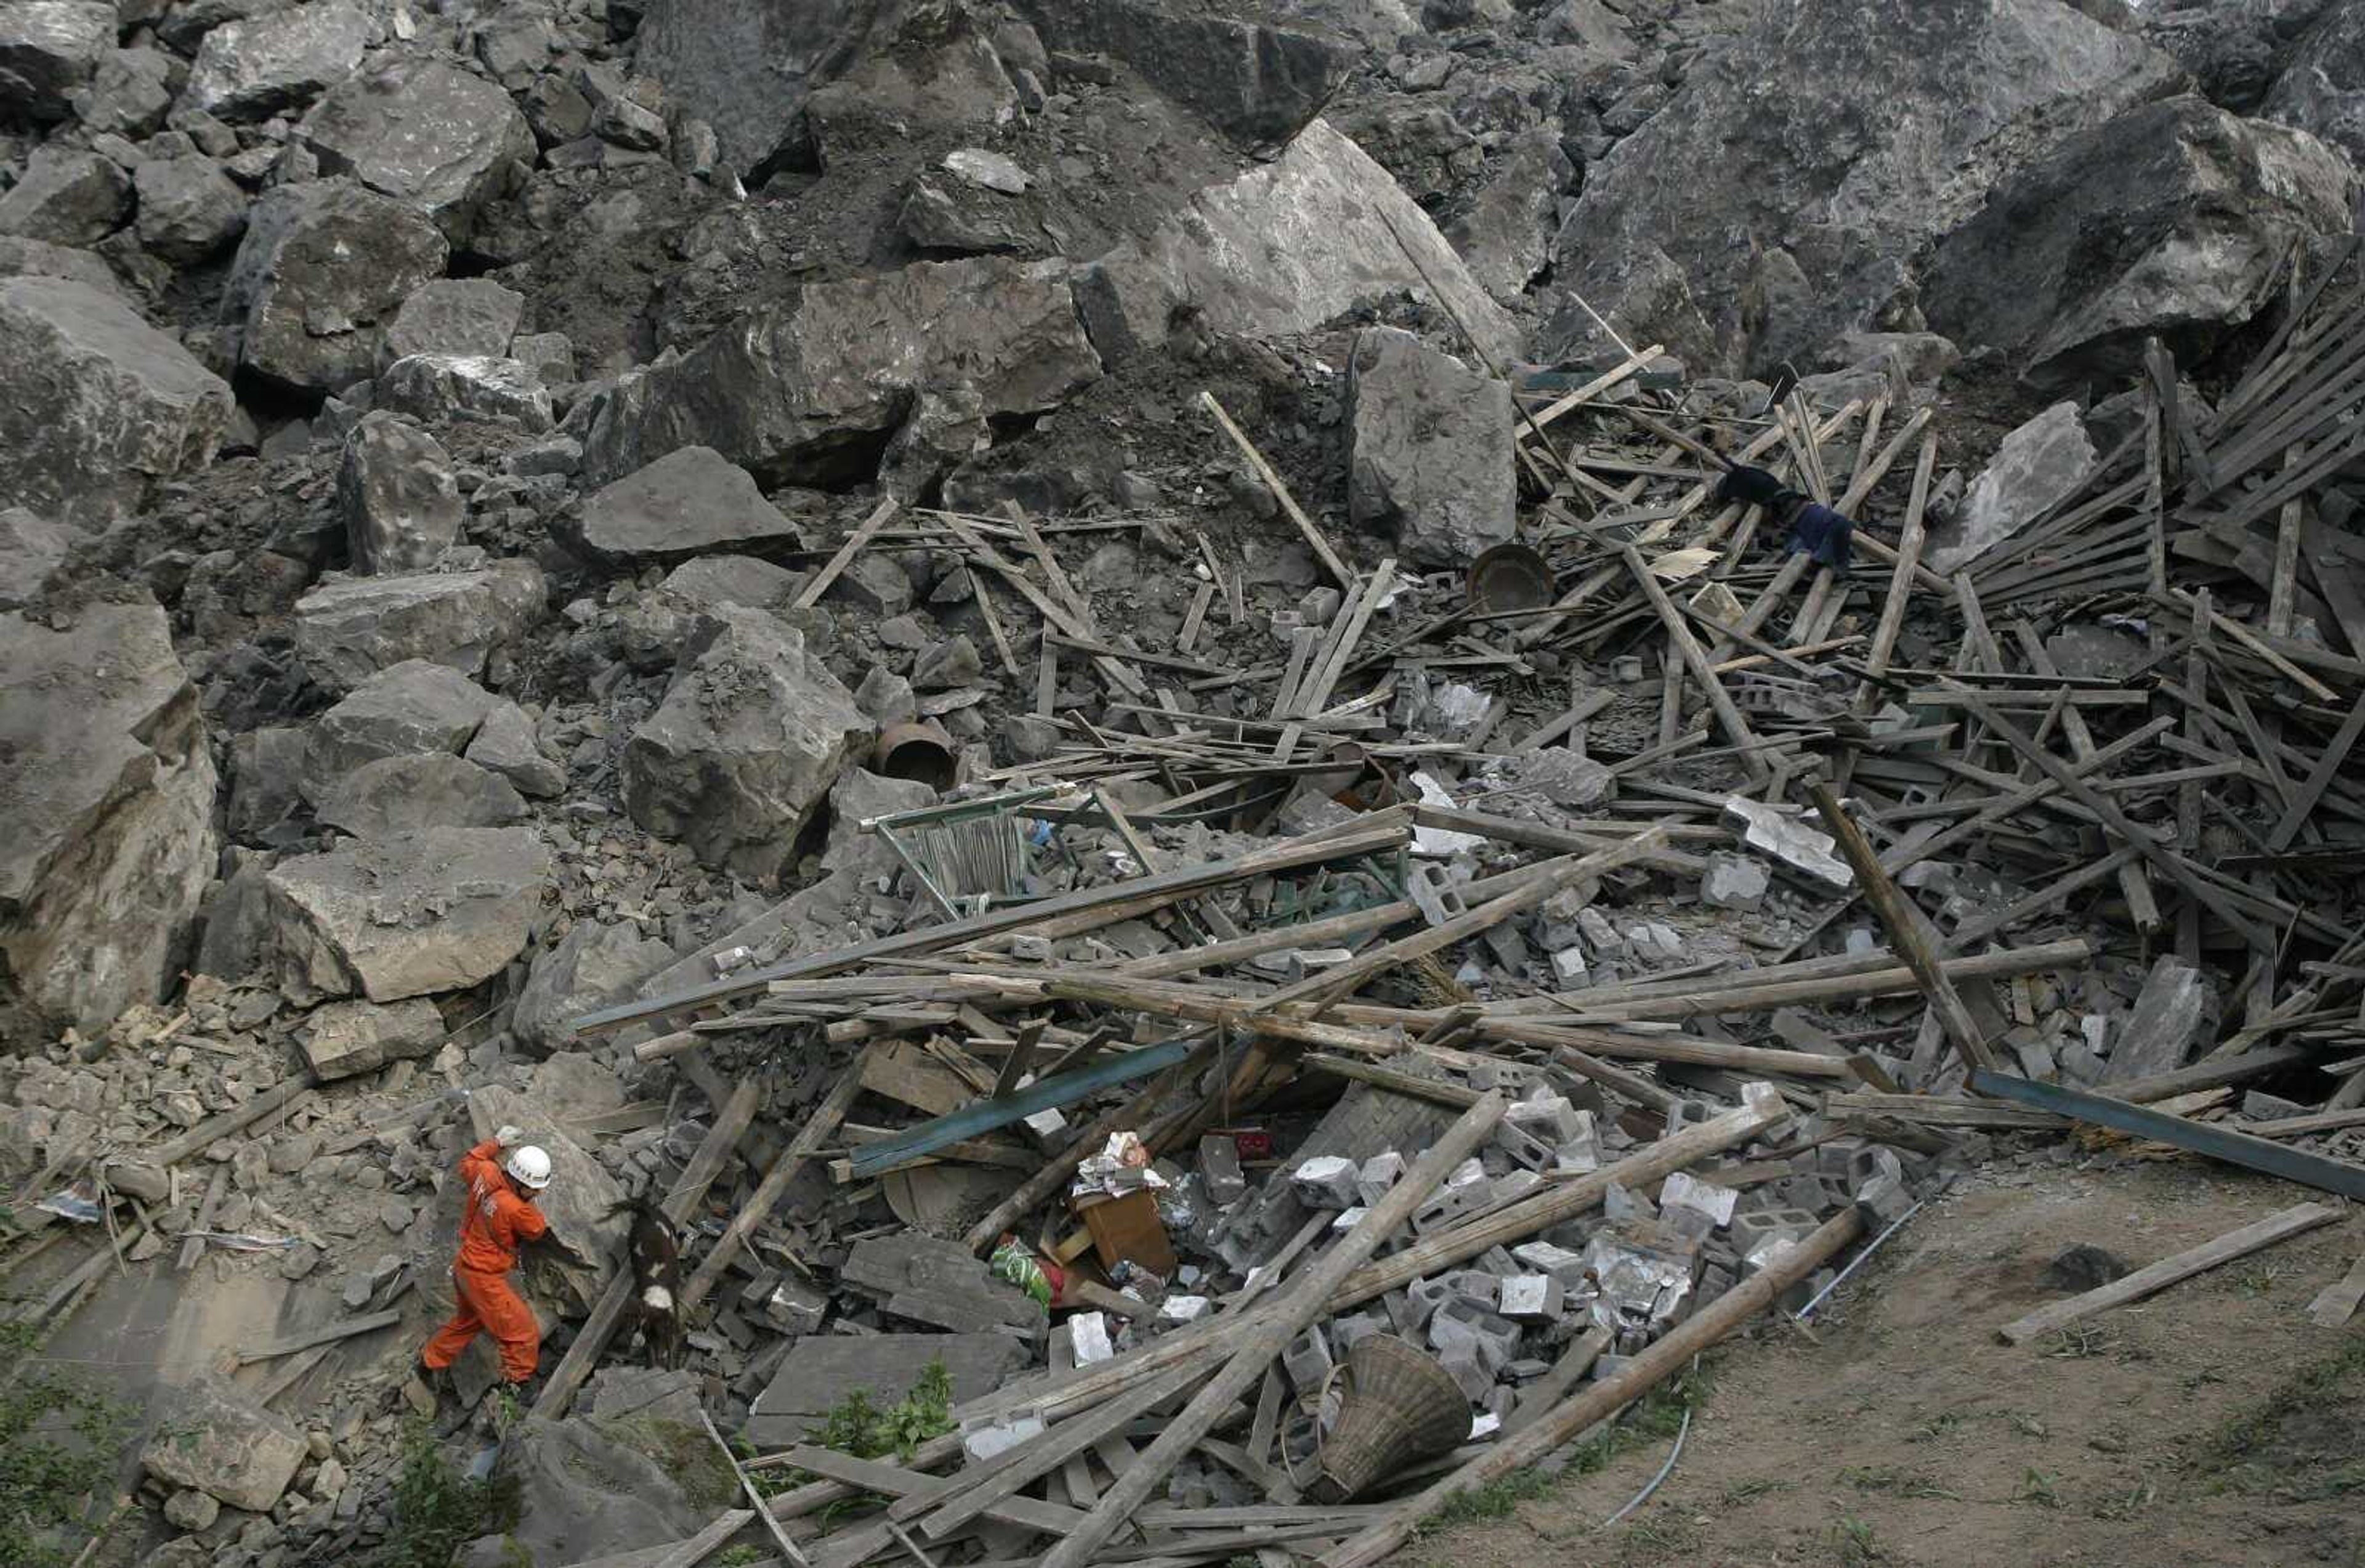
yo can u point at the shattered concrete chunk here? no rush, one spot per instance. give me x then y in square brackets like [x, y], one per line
[215, 1439]
[1789, 839]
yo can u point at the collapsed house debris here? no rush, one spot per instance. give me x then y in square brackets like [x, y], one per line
[1199, 906]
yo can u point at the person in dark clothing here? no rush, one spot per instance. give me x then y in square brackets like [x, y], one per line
[1813, 528]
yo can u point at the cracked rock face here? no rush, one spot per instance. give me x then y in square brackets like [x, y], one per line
[435, 137]
[108, 785]
[95, 403]
[276, 62]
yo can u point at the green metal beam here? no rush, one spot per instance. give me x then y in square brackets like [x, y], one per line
[987, 1115]
[2199, 1138]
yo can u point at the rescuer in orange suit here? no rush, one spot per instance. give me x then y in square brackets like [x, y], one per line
[499, 1215]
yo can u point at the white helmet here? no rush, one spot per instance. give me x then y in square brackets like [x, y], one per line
[529, 1167]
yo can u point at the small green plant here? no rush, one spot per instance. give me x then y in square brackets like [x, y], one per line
[1852, 1539]
[436, 1509]
[2080, 1341]
[859, 1426]
[1939, 1427]
[2138, 1497]
[2258, 1280]
[1495, 1500]
[505, 1410]
[2039, 1488]
[742, 1556]
[2028, 1425]
[59, 1436]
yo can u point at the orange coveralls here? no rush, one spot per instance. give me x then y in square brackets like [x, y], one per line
[492, 1224]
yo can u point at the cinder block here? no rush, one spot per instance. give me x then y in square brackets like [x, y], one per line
[1547, 1116]
[1448, 1206]
[1473, 1285]
[1219, 1171]
[1307, 1359]
[1325, 1182]
[1525, 1147]
[1458, 1322]
[1544, 1258]
[1462, 1361]
[1530, 1298]
[1513, 1185]
[1377, 1174]
[1884, 1201]
[1355, 1325]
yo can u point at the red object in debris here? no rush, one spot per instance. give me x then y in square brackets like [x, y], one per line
[1253, 1145]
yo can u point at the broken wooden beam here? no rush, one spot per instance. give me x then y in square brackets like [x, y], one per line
[2158, 1277]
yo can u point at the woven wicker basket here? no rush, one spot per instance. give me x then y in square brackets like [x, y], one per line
[1396, 1407]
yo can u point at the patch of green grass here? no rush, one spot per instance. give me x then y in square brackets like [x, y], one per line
[1663, 1533]
[2258, 1280]
[59, 1436]
[2312, 1388]
[2118, 1509]
[1895, 1479]
[865, 1430]
[743, 1556]
[436, 1509]
[1495, 1500]
[1754, 1487]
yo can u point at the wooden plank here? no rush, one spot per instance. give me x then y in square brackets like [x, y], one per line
[2170, 1270]
[1303, 1300]
[718, 1147]
[326, 1333]
[1042, 1095]
[1306, 526]
[2336, 1303]
[816, 1131]
[1696, 658]
[2327, 767]
[856, 542]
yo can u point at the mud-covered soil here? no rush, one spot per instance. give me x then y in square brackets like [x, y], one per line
[2212, 1423]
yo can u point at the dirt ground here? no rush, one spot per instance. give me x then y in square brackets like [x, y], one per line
[2212, 1423]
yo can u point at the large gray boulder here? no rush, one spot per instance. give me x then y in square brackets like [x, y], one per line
[745, 67]
[590, 1489]
[505, 744]
[2034, 469]
[276, 62]
[471, 318]
[1254, 81]
[397, 494]
[95, 403]
[1783, 195]
[323, 269]
[66, 196]
[350, 628]
[32, 546]
[426, 132]
[810, 390]
[2322, 88]
[745, 747]
[446, 388]
[1504, 235]
[1431, 462]
[214, 1438]
[189, 209]
[397, 795]
[431, 912]
[685, 502]
[49, 49]
[20, 257]
[1282, 249]
[411, 707]
[342, 1038]
[110, 786]
[129, 94]
[593, 965]
[2171, 221]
